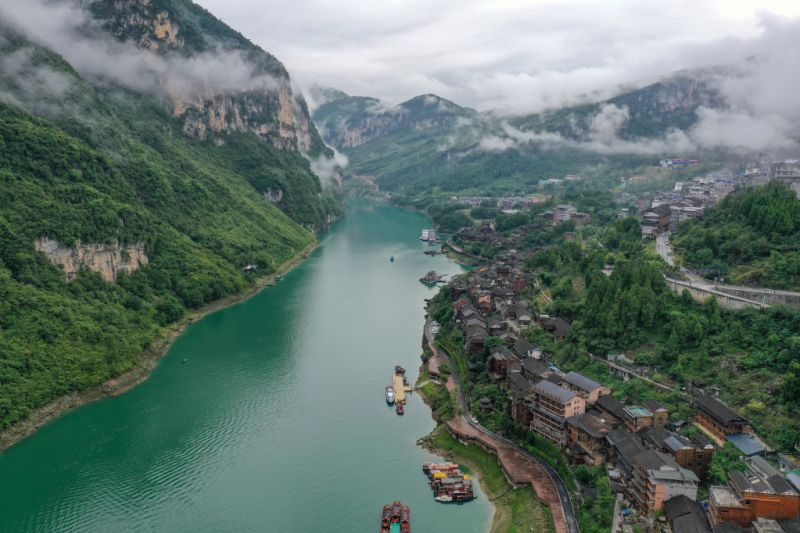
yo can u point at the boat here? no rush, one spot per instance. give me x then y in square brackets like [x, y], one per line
[399, 408]
[432, 277]
[389, 394]
[448, 483]
[396, 518]
[386, 518]
[405, 519]
[391, 259]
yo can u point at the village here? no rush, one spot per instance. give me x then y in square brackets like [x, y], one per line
[656, 461]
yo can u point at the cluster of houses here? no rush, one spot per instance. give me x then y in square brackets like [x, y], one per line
[485, 234]
[503, 202]
[688, 199]
[565, 213]
[647, 456]
[488, 303]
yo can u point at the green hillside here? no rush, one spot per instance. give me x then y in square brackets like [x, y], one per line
[459, 149]
[751, 237]
[88, 162]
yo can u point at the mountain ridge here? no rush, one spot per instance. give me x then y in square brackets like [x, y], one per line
[624, 131]
[114, 220]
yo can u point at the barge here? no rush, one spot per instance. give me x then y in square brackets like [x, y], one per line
[448, 483]
[396, 518]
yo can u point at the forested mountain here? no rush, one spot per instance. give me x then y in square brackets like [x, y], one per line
[135, 184]
[458, 149]
[752, 237]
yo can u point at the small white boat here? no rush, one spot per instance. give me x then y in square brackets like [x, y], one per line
[444, 498]
[389, 394]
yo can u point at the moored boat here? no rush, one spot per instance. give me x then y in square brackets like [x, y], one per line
[432, 277]
[396, 517]
[389, 394]
[399, 408]
[448, 483]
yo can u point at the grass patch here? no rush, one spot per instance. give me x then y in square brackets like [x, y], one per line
[516, 511]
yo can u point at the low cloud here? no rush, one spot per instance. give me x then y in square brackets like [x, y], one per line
[329, 169]
[69, 30]
[26, 83]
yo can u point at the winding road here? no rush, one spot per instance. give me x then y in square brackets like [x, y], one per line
[568, 521]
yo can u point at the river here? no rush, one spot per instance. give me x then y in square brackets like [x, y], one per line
[276, 423]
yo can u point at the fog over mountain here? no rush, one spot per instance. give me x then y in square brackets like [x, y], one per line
[513, 56]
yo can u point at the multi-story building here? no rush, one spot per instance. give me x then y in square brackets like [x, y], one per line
[563, 213]
[637, 418]
[660, 413]
[586, 439]
[750, 495]
[719, 419]
[657, 478]
[624, 446]
[519, 388]
[788, 170]
[691, 454]
[551, 405]
[588, 389]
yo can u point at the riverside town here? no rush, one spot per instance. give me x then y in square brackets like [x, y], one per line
[438, 266]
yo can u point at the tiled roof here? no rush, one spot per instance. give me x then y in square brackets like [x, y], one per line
[580, 381]
[718, 410]
[554, 391]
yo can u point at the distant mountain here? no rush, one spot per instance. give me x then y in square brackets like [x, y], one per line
[429, 141]
[137, 182]
[352, 121]
[653, 110]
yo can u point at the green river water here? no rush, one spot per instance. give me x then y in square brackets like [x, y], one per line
[277, 422]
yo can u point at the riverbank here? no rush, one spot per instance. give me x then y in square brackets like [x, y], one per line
[513, 510]
[144, 364]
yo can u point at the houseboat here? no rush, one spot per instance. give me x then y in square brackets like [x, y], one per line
[448, 483]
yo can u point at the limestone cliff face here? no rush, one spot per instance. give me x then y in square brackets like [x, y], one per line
[267, 113]
[106, 259]
[264, 105]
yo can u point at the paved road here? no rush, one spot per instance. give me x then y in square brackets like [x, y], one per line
[563, 493]
[664, 248]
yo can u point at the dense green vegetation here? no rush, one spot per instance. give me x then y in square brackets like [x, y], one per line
[632, 311]
[751, 237]
[597, 512]
[101, 164]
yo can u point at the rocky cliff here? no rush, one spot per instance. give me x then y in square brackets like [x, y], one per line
[264, 104]
[108, 260]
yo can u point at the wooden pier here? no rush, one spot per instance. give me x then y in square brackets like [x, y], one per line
[400, 388]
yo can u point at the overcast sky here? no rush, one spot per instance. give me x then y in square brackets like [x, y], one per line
[508, 55]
